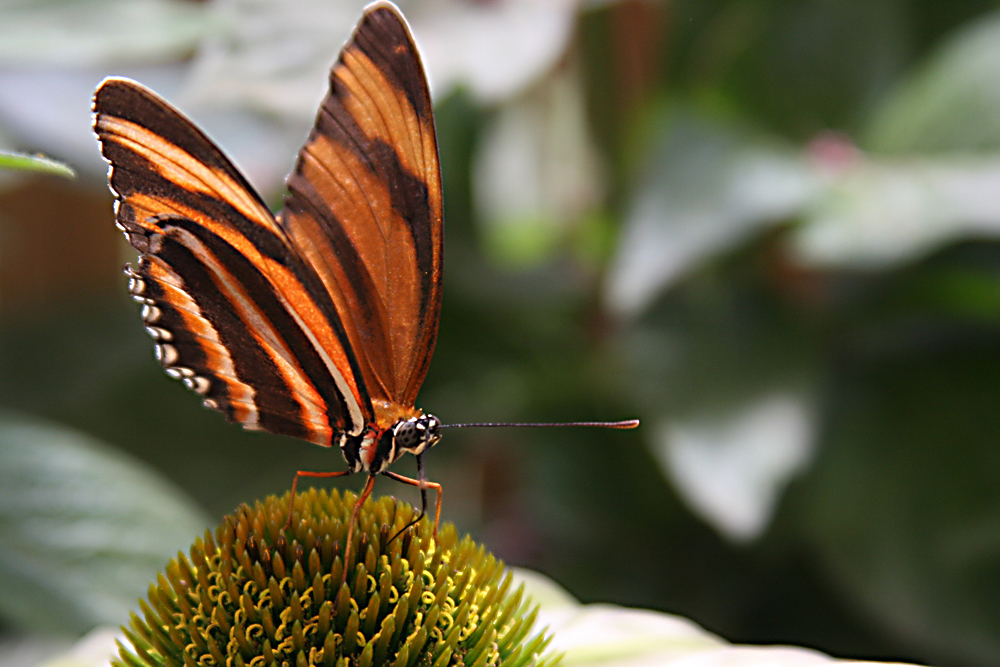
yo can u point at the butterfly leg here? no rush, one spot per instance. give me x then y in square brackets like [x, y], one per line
[354, 511]
[421, 484]
[295, 483]
[354, 517]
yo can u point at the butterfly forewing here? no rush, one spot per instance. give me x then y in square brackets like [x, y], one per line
[238, 314]
[364, 207]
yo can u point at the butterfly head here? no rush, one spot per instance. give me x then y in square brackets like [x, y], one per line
[416, 434]
[375, 449]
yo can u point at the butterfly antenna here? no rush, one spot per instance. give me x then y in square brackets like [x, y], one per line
[624, 424]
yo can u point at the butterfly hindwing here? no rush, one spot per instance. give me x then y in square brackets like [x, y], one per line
[364, 207]
[238, 315]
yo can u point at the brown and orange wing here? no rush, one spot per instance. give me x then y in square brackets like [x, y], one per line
[364, 208]
[237, 314]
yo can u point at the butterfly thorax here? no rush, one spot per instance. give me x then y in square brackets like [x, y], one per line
[377, 447]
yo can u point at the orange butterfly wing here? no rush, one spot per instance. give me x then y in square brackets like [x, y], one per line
[364, 207]
[237, 314]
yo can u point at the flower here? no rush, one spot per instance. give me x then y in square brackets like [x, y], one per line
[261, 593]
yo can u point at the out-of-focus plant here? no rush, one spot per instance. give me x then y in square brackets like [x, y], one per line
[12, 161]
[82, 527]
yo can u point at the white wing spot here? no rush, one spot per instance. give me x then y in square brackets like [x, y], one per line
[166, 354]
[150, 313]
[159, 333]
[198, 384]
[179, 372]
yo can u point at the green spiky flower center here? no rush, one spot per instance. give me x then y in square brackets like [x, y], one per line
[255, 594]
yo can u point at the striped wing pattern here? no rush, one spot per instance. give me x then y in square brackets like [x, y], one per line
[364, 205]
[317, 323]
[236, 313]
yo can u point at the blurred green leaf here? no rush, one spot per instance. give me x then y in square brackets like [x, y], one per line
[948, 104]
[879, 211]
[706, 188]
[537, 173]
[731, 464]
[83, 529]
[36, 163]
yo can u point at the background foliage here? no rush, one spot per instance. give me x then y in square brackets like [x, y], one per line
[768, 229]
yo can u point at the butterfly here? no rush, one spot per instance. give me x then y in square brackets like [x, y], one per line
[317, 322]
